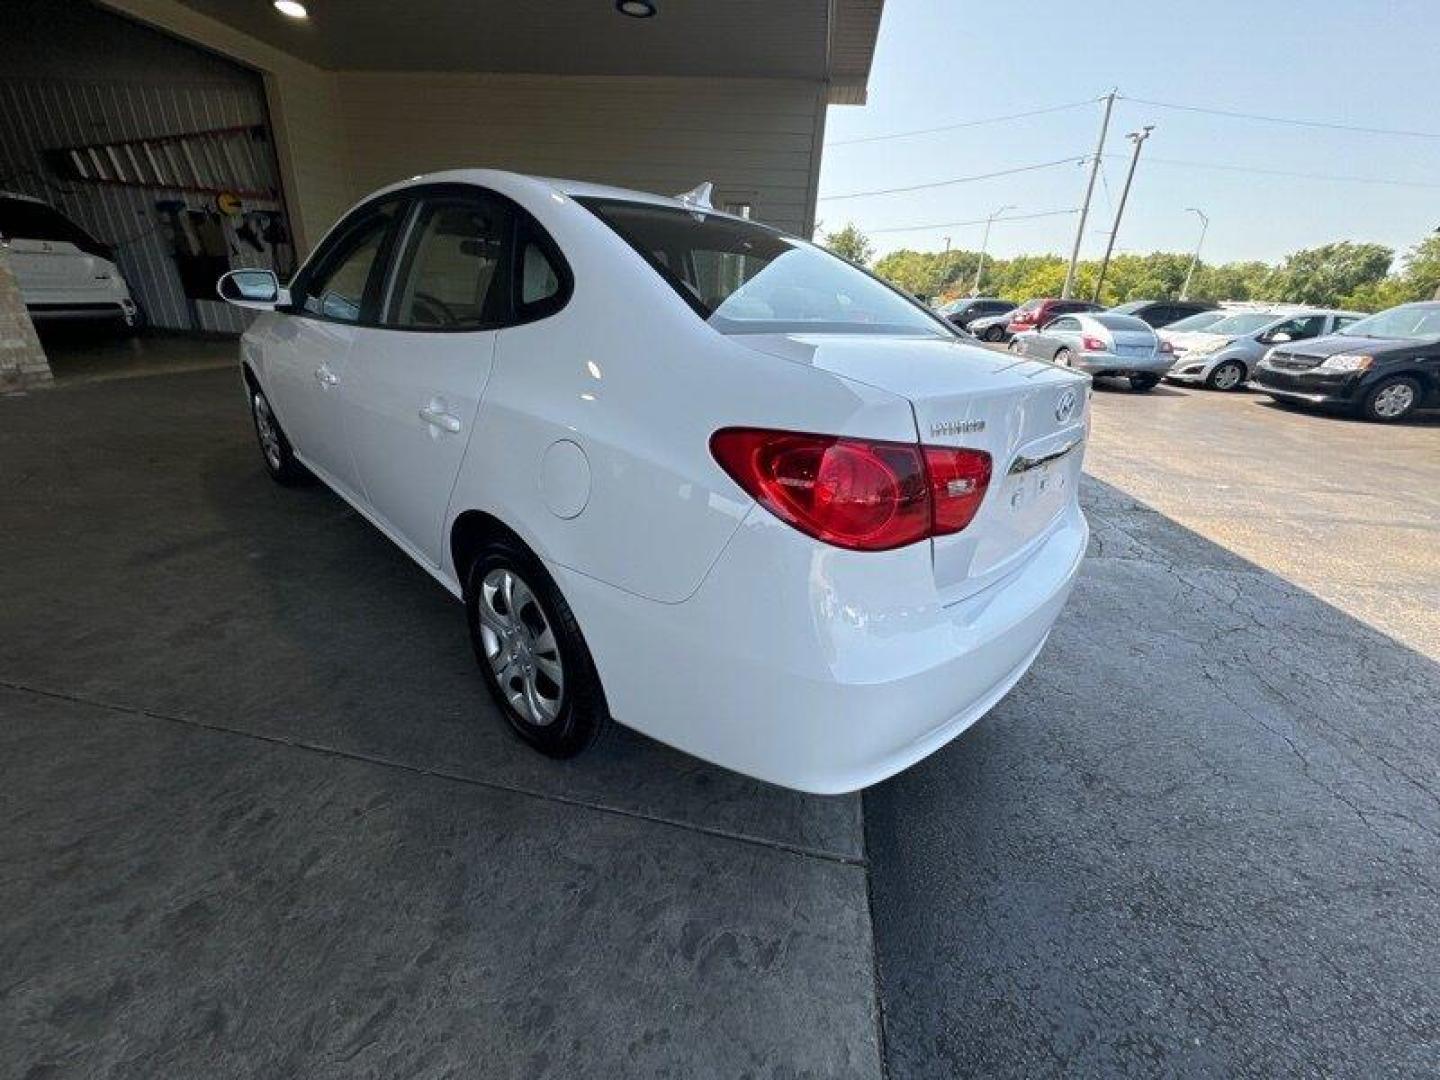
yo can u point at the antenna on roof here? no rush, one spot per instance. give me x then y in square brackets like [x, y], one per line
[698, 196]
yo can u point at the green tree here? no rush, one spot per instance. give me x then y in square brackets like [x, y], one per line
[850, 243]
[1331, 272]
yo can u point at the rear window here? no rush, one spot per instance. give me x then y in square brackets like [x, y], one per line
[1130, 308]
[21, 219]
[1112, 321]
[742, 277]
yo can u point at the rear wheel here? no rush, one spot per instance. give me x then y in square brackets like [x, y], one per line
[1391, 400]
[1143, 383]
[1226, 376]
[531, 653]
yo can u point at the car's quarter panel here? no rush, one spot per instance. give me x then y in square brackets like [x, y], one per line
[410, 402]
[834, 671]
[638, 383]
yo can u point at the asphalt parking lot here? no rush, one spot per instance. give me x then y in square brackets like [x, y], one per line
[261, 818]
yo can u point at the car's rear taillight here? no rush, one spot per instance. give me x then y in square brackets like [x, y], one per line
[1092, 344]
[862, 494]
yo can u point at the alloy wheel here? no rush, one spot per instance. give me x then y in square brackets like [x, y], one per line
[520, 645]
[1226, 377]
[1395, 400]
[269, 435]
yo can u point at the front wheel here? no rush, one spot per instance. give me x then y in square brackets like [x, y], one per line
[531, 653]
[1226, 376]
[1063, 358]
[1391, 400]
[275, 450]
[993, 333]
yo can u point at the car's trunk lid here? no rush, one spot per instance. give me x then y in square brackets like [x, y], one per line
[1031, 418]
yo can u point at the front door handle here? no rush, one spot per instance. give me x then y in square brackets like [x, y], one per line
[325, 377]
[442, 420]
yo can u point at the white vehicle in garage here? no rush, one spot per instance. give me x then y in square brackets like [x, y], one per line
[683, 470]
[63, 272]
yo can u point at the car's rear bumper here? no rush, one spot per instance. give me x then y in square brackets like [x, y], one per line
[121, 310]
[1104, 363]
[816, 668]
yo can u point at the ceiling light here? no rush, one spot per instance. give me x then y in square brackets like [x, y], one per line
[293, 8]
[636, 9]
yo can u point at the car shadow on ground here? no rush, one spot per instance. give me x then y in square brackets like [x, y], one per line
[1201, 837]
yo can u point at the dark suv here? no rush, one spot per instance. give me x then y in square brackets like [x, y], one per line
[1158, 313]
[1386, 366]
[961, 312]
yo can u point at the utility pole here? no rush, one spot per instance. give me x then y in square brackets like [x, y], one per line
[1109, 100]
[1138, 138]
[1204, 224]
[985, 243]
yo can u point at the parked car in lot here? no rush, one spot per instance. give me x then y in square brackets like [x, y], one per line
[1385, 366]
[1035, 314]
[1100, 344]
[682, 469]
[969, 308]
[63, 272]
[1158, 313]
[1223, 354]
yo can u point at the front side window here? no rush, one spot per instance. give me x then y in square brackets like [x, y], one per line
[1065, 322]
[741, 277]
[345, 274]
[449, 277]
[1299, 329]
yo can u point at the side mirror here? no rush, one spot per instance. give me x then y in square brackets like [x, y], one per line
[258, 290]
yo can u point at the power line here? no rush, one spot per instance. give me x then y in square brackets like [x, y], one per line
[977, 221]
[1328, 124]
[1287, 173]
[962, 124]
[1073, 159]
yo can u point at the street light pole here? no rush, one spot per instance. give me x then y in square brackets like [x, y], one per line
[1138, 138]
[984, 244]
[1204, 224]
[1109, 100]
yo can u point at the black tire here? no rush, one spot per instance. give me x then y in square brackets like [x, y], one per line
[1391, 399]
[1233, 377]
[993, 333]
[1062, 357]
[277, 454]
[580, 711]
[1143, 384]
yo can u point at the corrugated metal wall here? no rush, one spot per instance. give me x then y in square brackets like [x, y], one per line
[40, 114]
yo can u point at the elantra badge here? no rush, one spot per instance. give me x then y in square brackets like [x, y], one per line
[957, 427]
[1065, 407]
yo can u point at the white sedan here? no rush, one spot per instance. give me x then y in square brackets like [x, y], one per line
[681, 468]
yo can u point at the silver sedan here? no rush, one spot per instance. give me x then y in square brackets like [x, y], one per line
[1100, 344]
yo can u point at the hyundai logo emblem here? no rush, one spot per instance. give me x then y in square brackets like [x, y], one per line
[1065, 407]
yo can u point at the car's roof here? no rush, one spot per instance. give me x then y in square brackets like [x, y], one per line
[503, 180]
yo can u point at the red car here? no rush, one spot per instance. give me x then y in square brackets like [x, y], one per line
[1034, 314]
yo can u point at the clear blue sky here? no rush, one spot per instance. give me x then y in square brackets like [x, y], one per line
[1373, 64]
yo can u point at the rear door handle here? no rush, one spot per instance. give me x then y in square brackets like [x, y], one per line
[442, 420]
[325, 377]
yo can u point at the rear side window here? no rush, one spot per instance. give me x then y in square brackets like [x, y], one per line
[741, 277]
[449, 277]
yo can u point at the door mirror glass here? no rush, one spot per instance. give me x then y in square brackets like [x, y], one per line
[258, 289]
